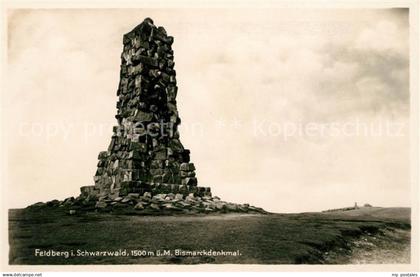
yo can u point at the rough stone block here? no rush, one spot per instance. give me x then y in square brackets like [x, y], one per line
[187, 167]
[160, 155]
[143, 116]
[103, 155]
[190, 181]
[89, 190]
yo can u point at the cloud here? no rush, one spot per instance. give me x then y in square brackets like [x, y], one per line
[383, 36]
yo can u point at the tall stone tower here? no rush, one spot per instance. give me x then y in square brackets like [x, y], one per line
[145, 153]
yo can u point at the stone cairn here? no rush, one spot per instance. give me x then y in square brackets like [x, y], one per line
[146, 167]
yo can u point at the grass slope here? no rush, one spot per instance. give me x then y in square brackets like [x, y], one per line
[401, 214]
[263, 239]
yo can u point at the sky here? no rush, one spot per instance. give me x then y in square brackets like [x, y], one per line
[291, 110]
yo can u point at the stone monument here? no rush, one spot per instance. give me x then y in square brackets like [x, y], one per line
[146, 169]
[145, 153]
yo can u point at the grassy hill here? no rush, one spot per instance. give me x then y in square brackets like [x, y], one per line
[314, 238]
[400, 214]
